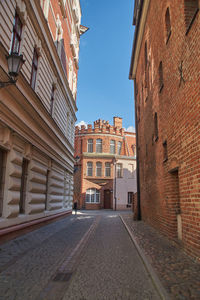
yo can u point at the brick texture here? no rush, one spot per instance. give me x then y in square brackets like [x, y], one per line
[170, 163]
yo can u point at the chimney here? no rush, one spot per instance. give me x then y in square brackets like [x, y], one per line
[117, 122]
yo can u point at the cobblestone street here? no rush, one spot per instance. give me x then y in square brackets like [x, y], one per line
[88, 256]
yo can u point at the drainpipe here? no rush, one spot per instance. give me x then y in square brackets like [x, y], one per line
[138, 216]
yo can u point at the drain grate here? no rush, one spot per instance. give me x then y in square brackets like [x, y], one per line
[62, 276]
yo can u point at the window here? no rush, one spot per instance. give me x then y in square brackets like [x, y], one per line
[23, 186]
[34, 69]
[130, 197]
[90, 145]
[146, 64]
[119, 170]
[131, 171]
[47, 189]
[107, 169]
[2, 177]
[191, 8]
[167, 24]
[98, 169]
[160, 72]
[52, 98]
[99, 145]
[119, 147]
[16, 35]
[92, 196]
[112, 146]
[165, 153]
[89, 168]
[155, 127]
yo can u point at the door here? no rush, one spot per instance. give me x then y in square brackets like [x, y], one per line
[107, 199]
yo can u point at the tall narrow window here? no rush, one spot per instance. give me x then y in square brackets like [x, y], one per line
[2, 177]
[98, 169]
[130, 197]
[107, 169]
[191, 8]
[23, 186]
[47, 189]
[155, 126]
[119, 170]
[167, 24]
[112, 146]
[52, 98]
[119, 147]
[90, 145]
[146, 64]
[16, 35]
[89, 168]
[160, 71]
[34, 69]
[165, 153]
[99, 145]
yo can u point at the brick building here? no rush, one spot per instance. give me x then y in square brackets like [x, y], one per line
[105, 175]
[165, 66]
[37, 114]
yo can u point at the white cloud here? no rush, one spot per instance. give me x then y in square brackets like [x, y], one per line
[82, 123]
[130, 129]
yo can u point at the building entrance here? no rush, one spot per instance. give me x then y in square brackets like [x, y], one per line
[107, 199]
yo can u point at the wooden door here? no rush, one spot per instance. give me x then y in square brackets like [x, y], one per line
[107, 199]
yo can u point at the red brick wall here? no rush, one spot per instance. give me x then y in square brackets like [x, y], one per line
[172, 186]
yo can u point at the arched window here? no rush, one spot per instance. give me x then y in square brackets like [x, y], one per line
[90, 145]
[112, 146]
[191, 8]
[167, 24]
[99, 145]
[89, 168]
[92, 196]
[98, 169]
[107, 169]
[119, 147]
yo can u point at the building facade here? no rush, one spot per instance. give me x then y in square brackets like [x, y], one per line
[165, 66]
[105, 175]
[37, 114]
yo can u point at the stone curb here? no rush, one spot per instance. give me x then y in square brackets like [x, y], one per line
[156, 281]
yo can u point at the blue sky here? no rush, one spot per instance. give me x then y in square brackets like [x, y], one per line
[104, 89]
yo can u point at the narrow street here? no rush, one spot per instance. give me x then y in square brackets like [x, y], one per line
[88, 256]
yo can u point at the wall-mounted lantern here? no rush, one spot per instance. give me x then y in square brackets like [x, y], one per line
[15, 62]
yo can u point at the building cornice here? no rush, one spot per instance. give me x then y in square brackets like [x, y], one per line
[139, 31]
[100, 134]
[107, 155]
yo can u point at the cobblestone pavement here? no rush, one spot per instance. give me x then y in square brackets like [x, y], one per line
[89, 256]
[110, 267]
[179, 274]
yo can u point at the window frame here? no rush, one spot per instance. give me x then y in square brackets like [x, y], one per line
[34, 69]
[119, 143]
[112, 146]
[52, 99]
[92, 192]
[16, 36]
[98, 169]
[90, 145]
[107, 169]
[89, 168]
[119, 168]
[98, 146]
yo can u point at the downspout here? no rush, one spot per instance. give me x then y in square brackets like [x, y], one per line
[138, 216]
